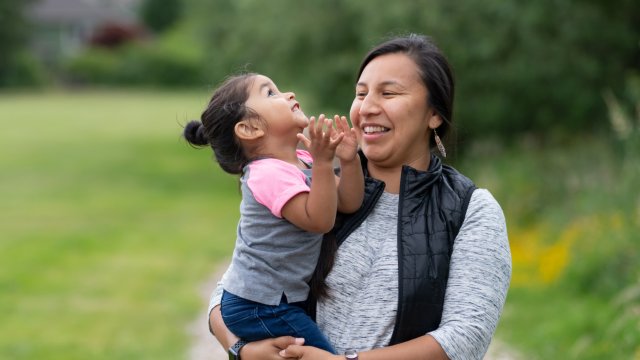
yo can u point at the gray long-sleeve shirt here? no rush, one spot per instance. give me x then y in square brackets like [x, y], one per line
[360, 312]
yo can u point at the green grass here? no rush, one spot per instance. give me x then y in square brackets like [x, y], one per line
[109, 224]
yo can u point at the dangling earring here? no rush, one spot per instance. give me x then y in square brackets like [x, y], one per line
[439, 144]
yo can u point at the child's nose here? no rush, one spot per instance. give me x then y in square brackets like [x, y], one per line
[290, 95]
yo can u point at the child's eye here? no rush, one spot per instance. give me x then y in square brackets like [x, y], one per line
[271, 93]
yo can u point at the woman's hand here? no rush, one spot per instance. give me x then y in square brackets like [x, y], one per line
[268, 349]
[308, 353]
[348, 148]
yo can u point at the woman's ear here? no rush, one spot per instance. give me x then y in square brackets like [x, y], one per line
[434, 121]
[248, 130]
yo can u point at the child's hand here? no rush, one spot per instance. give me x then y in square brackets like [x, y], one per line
[323, 139]
[348, 148]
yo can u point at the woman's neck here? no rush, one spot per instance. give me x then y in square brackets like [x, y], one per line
[390, 175]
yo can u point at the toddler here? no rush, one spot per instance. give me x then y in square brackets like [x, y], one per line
[289, 199]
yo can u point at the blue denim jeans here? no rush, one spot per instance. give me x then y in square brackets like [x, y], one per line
[252, 321]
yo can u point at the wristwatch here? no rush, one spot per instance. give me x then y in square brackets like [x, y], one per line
[234, 351]
[351, 355]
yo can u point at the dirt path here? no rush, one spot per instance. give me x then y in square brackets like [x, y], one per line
[205, 347]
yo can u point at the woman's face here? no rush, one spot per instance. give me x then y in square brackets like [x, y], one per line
[390, 112]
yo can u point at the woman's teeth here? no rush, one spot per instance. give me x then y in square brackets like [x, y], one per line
[374, 129]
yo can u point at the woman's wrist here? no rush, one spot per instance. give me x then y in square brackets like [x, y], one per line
[351, 355]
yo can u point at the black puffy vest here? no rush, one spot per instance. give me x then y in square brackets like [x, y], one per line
[431, 210]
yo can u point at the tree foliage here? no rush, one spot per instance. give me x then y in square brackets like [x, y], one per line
[160, 15]
[536, 68]
[521, 67]
[14, 33]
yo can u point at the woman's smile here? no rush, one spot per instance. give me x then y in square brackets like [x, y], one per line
[390, 110]
[374, 129]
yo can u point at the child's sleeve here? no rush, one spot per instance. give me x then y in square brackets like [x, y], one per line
[274, 182]
[305, 156]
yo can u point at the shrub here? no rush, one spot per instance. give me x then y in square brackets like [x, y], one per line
[26, 71]
[96, 66]
[135, 64]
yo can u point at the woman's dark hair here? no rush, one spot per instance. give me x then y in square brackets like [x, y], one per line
[435, 72]
[216, 128]
[437, 76]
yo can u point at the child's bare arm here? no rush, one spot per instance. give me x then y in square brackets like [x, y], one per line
[350, 186]
[351, 180]
[315, 211]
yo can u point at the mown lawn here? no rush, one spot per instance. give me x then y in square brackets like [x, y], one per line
[109, 224]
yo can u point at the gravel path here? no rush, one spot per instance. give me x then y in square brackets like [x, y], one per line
[205, 347]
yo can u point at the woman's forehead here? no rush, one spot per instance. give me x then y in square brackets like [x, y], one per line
[390, 69]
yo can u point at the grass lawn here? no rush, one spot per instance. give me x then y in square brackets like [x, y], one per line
[109, 224]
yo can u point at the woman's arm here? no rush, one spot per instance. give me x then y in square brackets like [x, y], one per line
[216, 325]
[479, 277]
[422, 348]
[225, 337]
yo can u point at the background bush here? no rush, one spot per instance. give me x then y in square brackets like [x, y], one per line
[537, 67]
[522, 68]
[137, 64]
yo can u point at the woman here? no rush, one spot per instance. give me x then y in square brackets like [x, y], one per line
[423, 268]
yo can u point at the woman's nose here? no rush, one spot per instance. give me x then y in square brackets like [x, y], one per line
[369, 105]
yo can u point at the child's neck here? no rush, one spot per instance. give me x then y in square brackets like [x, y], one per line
[284, 152]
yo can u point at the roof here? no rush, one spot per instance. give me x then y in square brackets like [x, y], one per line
[96, 11]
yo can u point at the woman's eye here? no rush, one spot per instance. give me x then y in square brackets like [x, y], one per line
[360, 94]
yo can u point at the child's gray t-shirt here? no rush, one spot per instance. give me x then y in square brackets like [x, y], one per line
[272, 256]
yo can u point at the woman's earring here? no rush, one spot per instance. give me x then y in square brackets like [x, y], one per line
[439, 144]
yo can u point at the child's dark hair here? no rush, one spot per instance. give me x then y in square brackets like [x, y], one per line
[216, 128]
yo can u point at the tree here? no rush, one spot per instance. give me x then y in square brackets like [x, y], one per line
[14, 33]
[521, 67]
[160, 15]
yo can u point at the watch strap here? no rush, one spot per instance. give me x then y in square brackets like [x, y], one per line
[234, 351]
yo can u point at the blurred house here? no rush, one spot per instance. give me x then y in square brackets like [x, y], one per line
[64, 27]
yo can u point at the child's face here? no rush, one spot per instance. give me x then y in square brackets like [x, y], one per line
[280, 111]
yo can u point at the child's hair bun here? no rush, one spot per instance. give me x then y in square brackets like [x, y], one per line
[194, 133]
